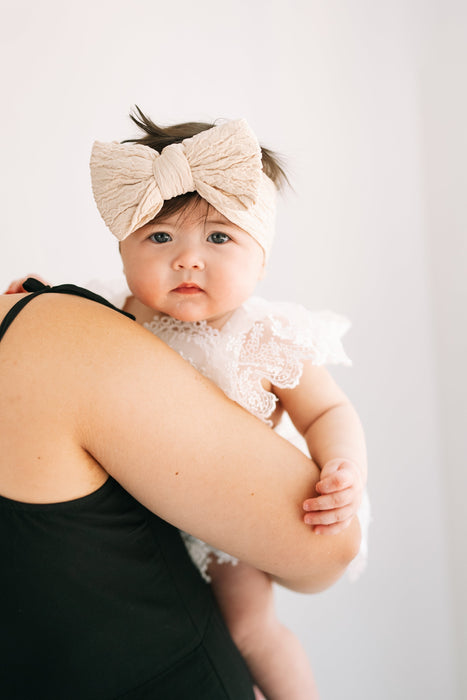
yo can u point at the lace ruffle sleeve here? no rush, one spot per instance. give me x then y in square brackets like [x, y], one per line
[276, 340]
[263, 343]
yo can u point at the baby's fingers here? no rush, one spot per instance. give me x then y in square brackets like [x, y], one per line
[341, 479]
[15, 287]
[338, 499]
[329, 517]
[333, 529]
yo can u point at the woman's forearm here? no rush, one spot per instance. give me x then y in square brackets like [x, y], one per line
[210, 468]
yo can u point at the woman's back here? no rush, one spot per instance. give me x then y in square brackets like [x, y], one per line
[99, 600]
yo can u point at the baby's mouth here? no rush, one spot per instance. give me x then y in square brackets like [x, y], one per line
[188, 288]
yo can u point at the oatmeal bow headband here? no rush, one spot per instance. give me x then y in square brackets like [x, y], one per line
[130, 182]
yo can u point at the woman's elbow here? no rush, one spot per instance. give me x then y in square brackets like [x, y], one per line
[324, 562]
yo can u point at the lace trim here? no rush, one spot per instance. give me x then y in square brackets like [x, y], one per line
[196, 342]
[202, 554]
[275, 349]
[196, 331]
[261, 341]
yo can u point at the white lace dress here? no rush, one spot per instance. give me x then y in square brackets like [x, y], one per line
[261, 340]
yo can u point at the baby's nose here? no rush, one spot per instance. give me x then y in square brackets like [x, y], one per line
[188, 259]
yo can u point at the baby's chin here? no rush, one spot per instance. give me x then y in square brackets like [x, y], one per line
[216, 321]
[188, 317]
[182, 312]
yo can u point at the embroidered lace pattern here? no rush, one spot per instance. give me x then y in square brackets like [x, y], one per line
[261, 341]
[202, 554]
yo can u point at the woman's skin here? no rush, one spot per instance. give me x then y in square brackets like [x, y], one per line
[85, 392]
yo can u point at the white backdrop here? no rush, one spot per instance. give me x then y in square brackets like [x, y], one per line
[366, 99]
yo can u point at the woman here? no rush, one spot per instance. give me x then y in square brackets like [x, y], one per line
[99, 599]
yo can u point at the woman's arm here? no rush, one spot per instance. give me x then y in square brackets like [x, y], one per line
[173, 440]
[205, 465]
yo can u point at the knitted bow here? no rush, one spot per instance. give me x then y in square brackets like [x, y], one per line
[131, 181]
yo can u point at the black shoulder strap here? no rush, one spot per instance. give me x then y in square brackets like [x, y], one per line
[37, 288]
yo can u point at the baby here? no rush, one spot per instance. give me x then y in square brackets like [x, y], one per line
[193, 208]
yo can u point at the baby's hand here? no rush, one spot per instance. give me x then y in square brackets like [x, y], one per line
[340, 489]
[16, 287]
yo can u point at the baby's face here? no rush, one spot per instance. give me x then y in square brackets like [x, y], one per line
[193, 265]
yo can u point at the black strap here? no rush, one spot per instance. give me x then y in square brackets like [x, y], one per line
[37, 288]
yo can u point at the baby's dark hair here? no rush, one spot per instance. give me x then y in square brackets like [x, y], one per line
[158, 137]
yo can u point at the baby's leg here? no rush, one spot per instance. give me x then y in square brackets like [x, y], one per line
[275, 657]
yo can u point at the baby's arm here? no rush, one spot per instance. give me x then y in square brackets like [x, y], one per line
[16, 286]
[323, 414]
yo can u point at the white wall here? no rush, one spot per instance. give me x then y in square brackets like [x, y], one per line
[444, 102]
[355, 95]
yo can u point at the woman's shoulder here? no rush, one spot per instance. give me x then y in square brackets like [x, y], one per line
[68, 325]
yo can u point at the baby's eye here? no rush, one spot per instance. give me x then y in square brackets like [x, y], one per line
[160, 237]
[218, 237]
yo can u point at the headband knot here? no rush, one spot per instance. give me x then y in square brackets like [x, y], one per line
[172, 172]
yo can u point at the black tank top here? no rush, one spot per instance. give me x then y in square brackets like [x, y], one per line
[99, 599]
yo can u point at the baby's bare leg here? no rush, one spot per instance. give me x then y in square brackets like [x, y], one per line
[275, 657]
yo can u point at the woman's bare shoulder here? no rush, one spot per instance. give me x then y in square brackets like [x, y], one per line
[58, 314]
[7, 301]
[52, 349]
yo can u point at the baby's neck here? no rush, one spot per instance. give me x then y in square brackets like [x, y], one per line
[144, 314]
